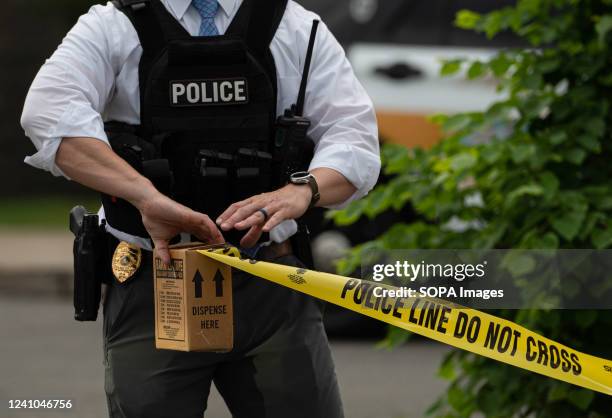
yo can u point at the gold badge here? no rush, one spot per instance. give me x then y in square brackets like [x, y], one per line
[126, 261]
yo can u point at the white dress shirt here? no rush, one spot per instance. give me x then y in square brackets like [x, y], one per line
[93, 77]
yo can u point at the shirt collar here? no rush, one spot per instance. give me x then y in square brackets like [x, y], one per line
[179, 7]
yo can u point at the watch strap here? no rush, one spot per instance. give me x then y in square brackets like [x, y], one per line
[314, 187]
[306, 178]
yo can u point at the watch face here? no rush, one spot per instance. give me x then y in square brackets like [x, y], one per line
[301, 177]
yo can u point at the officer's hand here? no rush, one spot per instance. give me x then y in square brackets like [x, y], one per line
[164, 219]
[289, 202]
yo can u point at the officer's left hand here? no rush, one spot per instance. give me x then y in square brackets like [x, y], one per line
[289, 202]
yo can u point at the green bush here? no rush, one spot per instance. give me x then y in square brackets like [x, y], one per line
[533, 171]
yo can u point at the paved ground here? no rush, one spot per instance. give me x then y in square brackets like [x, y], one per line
[35, 262]
[45, 354]
[34, 250]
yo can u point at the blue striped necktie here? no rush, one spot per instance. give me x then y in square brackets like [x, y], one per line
[207, 10]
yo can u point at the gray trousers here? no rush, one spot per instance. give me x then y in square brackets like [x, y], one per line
[281, 365]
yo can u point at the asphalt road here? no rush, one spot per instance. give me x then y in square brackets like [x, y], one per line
[45, 354]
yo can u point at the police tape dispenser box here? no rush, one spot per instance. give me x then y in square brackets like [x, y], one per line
[193, 302]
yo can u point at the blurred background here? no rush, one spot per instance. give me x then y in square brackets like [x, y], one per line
[396, 48]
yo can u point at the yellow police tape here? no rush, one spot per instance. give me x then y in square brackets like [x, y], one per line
[439, 320]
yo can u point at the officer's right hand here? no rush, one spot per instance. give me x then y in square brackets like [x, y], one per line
[164, 219]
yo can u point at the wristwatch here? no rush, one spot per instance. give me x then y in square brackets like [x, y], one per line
[304, 177]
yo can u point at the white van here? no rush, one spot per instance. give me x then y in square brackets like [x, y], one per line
[396, 48]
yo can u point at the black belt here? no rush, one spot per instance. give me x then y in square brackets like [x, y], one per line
[267, 252]
[275, 250]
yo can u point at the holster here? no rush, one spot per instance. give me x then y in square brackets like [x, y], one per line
[91, 264]
[300, 242]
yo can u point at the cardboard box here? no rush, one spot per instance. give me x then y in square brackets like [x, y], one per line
[193, 302]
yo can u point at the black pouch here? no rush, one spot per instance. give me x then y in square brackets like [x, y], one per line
[143, 156]
[253, 173]
[212, 172]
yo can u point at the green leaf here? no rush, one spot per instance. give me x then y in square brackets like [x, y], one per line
[397, 162]
[437, 119]
[457, 398]
[593, 219]
[500, 64]
[605, 203]
[550, 183]
[589, 143]
[549, 64]
[568, 223]
[595, 127]
[467, 19]
[549, 241]
[525, 190]
[493, 23]
[378, 201]
[557, 137]
[463, 161]
[351, 213]
[492, 154]
[522, 152]
[447, 368]
[450, 67]
[457, 122]
[476, 69]
[585, 318]
[575, 155]
[603, 27]
[602, 238]
[558, 391]
[606, 79]
[394, 338]
[490, 397]
[582, 398]
[518, 263]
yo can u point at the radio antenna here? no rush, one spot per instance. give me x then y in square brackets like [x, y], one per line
[299, 108]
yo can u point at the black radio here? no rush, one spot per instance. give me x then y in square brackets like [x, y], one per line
[293, 149]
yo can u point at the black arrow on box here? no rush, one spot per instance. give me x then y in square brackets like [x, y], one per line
[218, 279]
[197, 279]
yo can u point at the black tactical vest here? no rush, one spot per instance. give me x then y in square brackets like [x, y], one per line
[208, 110]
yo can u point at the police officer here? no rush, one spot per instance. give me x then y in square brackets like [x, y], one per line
[168, 108]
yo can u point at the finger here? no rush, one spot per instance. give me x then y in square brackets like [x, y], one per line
[230, 210]
[201, 226]
[257, 218]
[161, 251]
[240, 215]
[250, 238]
[207, 231]
[216, 237]
[274, 220]
[209, 235]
